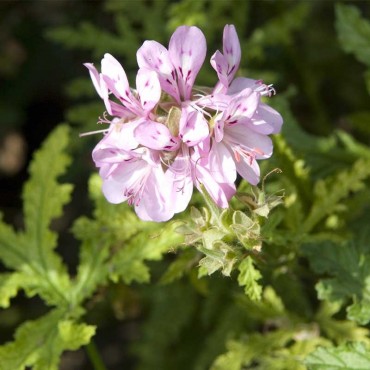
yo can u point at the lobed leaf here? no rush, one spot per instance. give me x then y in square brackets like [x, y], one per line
[353, 32]
[32, 252]
[150, 244]
[348, 268]
[10, 283]
[352, 356]
[248, 277]
[277, 350]
[328, 193]
[40, 343]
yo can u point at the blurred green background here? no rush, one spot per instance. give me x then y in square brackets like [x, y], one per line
[43, 44]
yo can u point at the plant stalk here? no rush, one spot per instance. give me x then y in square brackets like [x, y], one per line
[94, 356]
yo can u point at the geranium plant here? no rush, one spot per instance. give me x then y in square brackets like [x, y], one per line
[228, 239]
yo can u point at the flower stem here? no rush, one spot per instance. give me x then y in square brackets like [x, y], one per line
[212, 206]
[94, 356]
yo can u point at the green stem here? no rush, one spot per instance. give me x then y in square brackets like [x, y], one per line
[94, 356]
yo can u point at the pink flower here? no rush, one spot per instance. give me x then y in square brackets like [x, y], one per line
[240, 130]
[167, 136]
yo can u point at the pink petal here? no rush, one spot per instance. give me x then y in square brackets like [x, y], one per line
[154, 56]
[113, 191]
[105, 169]
[131, 174]
[218, 129]
[156, 136]
[124, 95]
[112, 68]
[267, 120]
[187, 49]
[100, 86]
[155, 203]
[215, 189]
[119, 110]
[221, 163]
[179, 175]
[219, 63]
[115, 146]
[193, 127]
[95, 77]
[231, 49]
[227, 64]
[241, 83]
[242, 136]
[116, 80]
[229, 189]
[148, 87]
[249, 170]
[242, 107]
[111, 155]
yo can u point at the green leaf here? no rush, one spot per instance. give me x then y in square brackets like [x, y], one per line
[210, 236]
[212, 206]
[270, 307]
[353, 356]
[116, 243]
[74, 335]
[40, 343]
[234, 358]
[246, 230]
[322, 155]
[44, 199]
[218, 256]
[348, 268]
[150, 244]
[277, 350]
[328, 193]
[92, 270]
[89, 37]
[279, 30]
[353, 32]
[339, 331]
[11, 252]
[10, 283]
[248, 277]
[32, 252]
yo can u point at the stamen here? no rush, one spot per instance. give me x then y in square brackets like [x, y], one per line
[135, 193]
[93, 132]
[265, 90]
[258, 151]
[240, 153]
[200, 110]
[104, 119]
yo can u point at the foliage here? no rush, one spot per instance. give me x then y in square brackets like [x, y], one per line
[36, 268]
[280, 280]
[350, 356]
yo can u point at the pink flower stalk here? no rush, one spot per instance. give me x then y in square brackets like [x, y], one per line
[167, 136]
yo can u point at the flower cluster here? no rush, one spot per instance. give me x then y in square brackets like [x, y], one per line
[168, 135]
